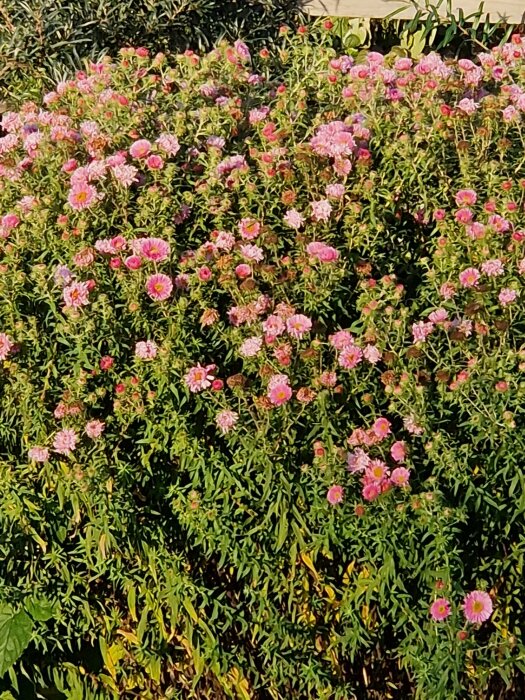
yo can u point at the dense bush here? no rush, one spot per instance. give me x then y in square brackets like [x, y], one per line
[262, 349]
[57, 35]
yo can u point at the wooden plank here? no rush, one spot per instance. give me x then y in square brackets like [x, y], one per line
[512, 11]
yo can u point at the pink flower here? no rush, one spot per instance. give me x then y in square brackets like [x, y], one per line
[350, 356]
[335, 494]
[82, 195]
[357, 460]
[6, 345]
[447, 290]
[294, 219]
[204, 273]
[328, 379]
[154, 162]
[38, 454]
[140, 149]
[438, 316]
[225, 240]
[169, 144]
[76, 294]
[298, 325]
[251, 252]
[95, 428]
[321, 251]
[340, 339]
[464, 215]
[381, 428]
[65, 441]
[274, 326]
[469, 277]
[154, 249]
[493, 268]
[477, 606]
[421, 330]
[279, 390]
[226, 420]
[251, 346]
[467, 106]
[507, 296]
[440, 609]
[476, 230]
[400, 476]
[249, 228]
[133, 262]
[321, 210]
[336, 191]
[371, 354]
[466, 198]
[159, 287]
[371, 491]
[84, 258]
[398, 451]
[125, 174]
[199, 378]
[243, 271]
[146, 350]
[376, 471]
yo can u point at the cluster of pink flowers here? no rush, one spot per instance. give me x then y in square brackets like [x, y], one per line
[477, 608]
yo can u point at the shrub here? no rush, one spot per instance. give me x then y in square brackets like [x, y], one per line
[57, 35]
[262, 353]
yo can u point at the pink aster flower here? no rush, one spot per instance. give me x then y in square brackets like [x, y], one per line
[321, 251]
[477, 606]
[507, 296]
[225, 420]
[169, 144]
[95, 428]
[467, 106]
[469, 277]
[279, 390]
[400, 476]
[249, 228]
[154, 249]
[125, 174]
[371, 491]
[440, 609]
[140, 149]
[76, 294]
[224, 240]
[294, 219]
[65, 441]
[335, 494]
[274, 326]
[321, 210]
[493, 268]
[421, 330]
[398, 451]
[154, 162]
[381, 428]
[298, 325]
[159, 287]
[82, 195]
[340, 339]
[350, 356]
[371, 354]
[438, 316]
[251, 346]
[328, 379]
[466, 198]
[336, 191]
[243, 271]
[251, 252]
[146, 350]
[133, 262]
[447, 290]
[6, 345]
[376, 471]
[38, 454]
[199, 378]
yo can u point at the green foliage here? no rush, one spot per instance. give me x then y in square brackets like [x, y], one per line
[182, 510]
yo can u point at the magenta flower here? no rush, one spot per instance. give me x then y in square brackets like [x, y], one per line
[82, 195]
[350, 356]
[440, 609]
[381, 428]
[466, 198]
[398, 451]
[154, 249]
[400, 476]
[133, 262]
[469, 277]
[140, 149]
[65, 441]
[335, 494]
[477, 606]
[279, 390]
[159, 287]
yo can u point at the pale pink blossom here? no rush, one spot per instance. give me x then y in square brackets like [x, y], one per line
[251, 346]
[249, 228]
[140, 148]
[298, 325]
[440, 609]
[146, 350]
[199, 378]
[372, 354]
[335, 494]
[477, 607]
[492, 268]
[76, 294]
[421, 330]
[251, 252]
[350, 356]
[65, 441]
[507, 296]
[469, 277]
[321, 210]
[398, 451]
[38, 454]
[225, 420]
[400, 476]
[82, 196]
[294, 219]
[340, 339]
[95, 428]
[168, 143]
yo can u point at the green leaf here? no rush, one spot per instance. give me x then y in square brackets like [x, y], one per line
[15, 635]
[40, 609]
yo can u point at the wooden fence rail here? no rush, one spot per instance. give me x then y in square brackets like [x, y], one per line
[512, 11]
